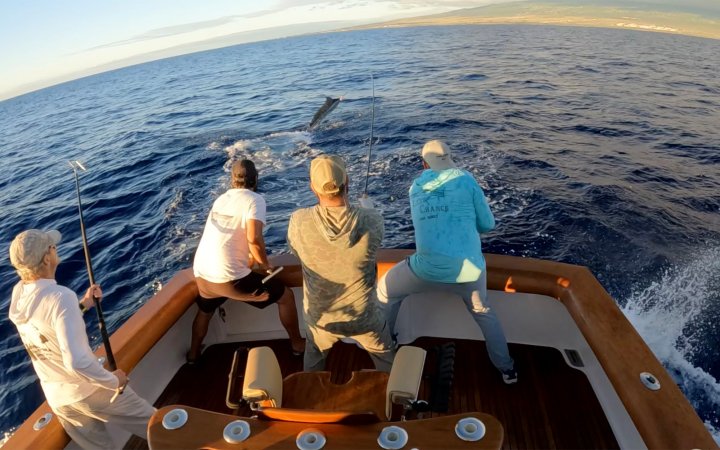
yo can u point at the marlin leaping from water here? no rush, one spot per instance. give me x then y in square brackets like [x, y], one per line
[325, 109]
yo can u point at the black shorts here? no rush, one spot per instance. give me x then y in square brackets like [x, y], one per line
[212, 295]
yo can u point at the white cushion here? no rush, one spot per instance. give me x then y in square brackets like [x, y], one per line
[263, 379]
[405, 376]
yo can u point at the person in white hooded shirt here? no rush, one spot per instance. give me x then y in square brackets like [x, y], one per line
[48, 318]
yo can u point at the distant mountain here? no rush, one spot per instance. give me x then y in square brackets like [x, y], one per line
[692, 17]
[708, 8]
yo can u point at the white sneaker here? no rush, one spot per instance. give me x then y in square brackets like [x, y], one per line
[510, 376]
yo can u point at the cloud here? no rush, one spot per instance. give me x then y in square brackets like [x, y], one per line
[409, 4]
[282, 5]
[459, 4]
[185, 28]
[167, 31]
[264, 12]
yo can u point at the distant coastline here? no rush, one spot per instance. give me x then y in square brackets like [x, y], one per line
[561, 14]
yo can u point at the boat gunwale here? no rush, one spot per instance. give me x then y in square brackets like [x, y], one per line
[659, 416]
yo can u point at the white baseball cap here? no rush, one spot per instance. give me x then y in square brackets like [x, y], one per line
[29, 247]
[437, 155]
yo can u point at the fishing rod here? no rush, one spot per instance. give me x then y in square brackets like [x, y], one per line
[372, 129]
[98, 308]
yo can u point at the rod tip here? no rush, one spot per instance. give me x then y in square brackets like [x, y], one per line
[77, 164]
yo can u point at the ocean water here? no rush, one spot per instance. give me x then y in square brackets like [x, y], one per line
[595, 147]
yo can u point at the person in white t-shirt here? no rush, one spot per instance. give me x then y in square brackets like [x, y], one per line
[231, 244]
[48, 318]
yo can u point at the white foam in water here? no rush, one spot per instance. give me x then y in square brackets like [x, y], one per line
[240, 146]
[668, 315]
[174, 204]
[714, 431]
[7, 435]
[275, 151]
[505, 199]
[215, 145]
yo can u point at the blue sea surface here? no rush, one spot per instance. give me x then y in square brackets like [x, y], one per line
[595, 147]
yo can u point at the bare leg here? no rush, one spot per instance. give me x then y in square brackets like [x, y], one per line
[289, 319]
[199, 331]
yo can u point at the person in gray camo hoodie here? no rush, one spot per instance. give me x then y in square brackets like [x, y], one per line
[337, 243]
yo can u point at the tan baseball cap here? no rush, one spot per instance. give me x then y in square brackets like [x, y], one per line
[327, 174]
[29, 247]
[437, 155]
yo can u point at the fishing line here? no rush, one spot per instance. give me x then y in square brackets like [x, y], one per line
[372, 129]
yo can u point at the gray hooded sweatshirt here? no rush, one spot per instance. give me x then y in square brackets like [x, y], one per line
[337, 248]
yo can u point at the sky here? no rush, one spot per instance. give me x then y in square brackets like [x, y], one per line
[45, 42]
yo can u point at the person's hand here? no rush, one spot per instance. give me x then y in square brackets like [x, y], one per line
[122, 379]
[366, 202]
[93, 291]
[266, 268]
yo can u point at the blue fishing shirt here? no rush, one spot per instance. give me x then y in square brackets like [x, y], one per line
[449, 211]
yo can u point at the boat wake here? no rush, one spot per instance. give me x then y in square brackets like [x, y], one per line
[677, 317]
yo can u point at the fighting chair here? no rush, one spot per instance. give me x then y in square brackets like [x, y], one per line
[311, 397]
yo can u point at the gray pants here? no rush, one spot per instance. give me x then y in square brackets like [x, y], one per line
[84, 421]
[400, 282]
[379, 345]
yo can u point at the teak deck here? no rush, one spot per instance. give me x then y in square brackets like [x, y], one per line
[551, 406]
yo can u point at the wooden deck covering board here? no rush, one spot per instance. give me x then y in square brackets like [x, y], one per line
[552, 405]
[436, 433]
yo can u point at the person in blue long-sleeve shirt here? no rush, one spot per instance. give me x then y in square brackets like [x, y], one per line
[449, 211]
